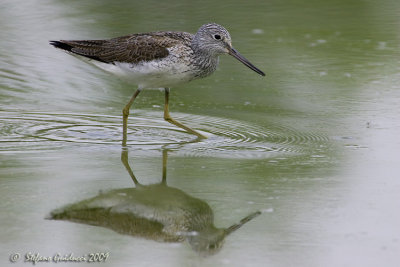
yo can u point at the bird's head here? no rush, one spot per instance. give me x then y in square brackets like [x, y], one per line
[213, 39]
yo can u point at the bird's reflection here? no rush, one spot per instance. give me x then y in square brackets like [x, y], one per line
[157, 212]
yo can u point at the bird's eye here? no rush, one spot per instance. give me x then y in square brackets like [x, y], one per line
[217, 37]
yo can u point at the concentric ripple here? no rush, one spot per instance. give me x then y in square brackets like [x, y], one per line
[238, 139]
[24, 131]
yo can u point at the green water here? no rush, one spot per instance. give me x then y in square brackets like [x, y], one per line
[313, 145]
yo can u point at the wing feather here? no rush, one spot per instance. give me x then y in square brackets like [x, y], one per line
[130, 49]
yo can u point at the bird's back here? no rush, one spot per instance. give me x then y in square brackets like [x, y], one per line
[151, 60]
[133, 48]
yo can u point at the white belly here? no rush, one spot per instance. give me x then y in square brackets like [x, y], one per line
[150, 74]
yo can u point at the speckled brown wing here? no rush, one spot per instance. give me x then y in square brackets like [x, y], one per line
[130, 49]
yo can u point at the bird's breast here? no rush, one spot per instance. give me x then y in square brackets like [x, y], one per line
[180, 66]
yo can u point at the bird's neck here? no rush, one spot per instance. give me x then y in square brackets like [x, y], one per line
[205, 61]
[205, 65]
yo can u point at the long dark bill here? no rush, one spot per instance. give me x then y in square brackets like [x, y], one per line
[233, 52]
[246, 219]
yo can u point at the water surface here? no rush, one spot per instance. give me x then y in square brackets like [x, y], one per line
[312, 148]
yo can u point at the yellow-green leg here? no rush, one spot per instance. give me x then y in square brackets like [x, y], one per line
[124, 159]
[164, 166]
[125, 114]
[168, 118]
